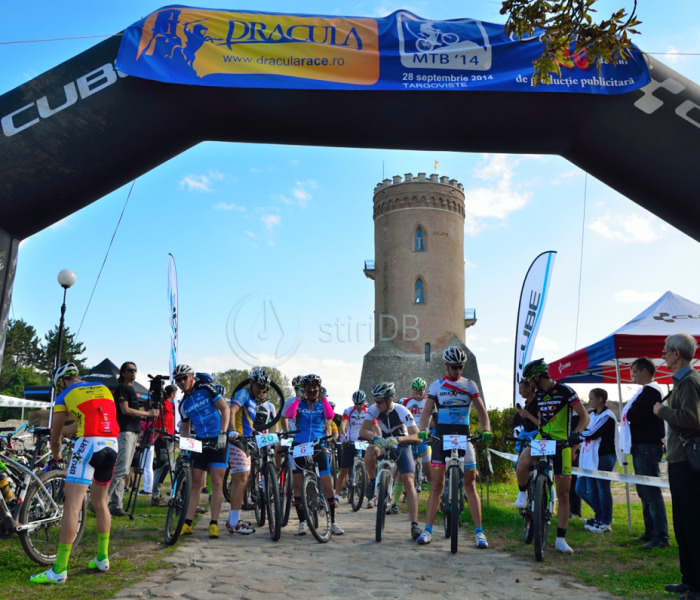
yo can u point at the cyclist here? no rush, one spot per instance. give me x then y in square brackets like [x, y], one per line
[313, 415]
[353, 417]
[415, 404]
[248, 413]
[92, 463]
[203, 409]
[453, 396]
[396, 425]
[555, 402]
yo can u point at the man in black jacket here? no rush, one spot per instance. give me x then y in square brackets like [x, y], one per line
[648, 433]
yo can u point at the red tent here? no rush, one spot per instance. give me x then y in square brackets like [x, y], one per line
[642, 336]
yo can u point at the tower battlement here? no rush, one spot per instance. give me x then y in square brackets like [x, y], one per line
[420, 178]
[419, 192]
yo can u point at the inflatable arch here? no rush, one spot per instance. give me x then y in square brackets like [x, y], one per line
[82, 130]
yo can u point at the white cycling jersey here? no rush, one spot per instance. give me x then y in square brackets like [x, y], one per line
[354, 418]
[395, 423]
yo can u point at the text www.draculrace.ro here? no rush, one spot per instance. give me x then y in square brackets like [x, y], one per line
[289, 61]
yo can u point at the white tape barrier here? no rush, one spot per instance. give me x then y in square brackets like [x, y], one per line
[659, 482]
[9, 401]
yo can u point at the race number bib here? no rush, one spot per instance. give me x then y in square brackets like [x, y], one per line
[543, 447]
[190, 444]
[454, 441]
[266, 439]
[286, 442]
[303, 450]
[361, 445]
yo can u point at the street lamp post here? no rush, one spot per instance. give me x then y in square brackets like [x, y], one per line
[66, 278]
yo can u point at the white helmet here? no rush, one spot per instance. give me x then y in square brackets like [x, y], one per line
[383, 390]
[454, 355]
[181, 370]
[65, 370]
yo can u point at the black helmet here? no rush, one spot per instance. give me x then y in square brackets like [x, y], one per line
[535, 367]
[260, 377]
[312, 380]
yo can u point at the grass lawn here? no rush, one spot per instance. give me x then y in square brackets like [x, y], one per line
[612, 561]
[136, 550]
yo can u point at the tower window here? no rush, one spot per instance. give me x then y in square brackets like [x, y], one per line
[419, 296]
[427, 352]
[419, 245]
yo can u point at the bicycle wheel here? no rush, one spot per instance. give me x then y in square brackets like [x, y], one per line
[227, 484]
[40, 542]
[356, 492]
[177, 506]
[445, 507]
[528, 529]
[257, 496]
[316, 509]
[418, 475]
[333, 463]
[454, 509]
[382, 492]
[540, 520]
[272, 501]
[285, 489]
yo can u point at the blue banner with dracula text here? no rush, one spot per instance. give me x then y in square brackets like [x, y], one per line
[231, 48]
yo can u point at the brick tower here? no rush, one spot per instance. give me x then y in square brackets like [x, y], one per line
[418, 274]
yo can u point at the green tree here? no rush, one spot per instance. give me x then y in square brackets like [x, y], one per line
[567, 22]
[71, 350]
[22, 354]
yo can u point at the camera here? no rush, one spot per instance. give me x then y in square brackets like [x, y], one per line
[156, 390]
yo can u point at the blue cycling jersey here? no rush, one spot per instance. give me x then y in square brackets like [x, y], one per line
[311, 424]
[199, 406]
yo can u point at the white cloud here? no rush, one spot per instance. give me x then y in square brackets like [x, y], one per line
[627, 227]
[271, 220]
[469, 266]
[634, 297]
[498, 198]
[201, 183]
[502, 340]
[229, 207]
[250, 234]
[565, 177]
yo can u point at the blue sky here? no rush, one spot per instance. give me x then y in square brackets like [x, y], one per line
[263, 227]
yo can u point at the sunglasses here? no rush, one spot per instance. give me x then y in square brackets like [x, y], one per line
[130, 370]
[181, 378]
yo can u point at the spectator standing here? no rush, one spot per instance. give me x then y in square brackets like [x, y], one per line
[642, 434]
[129, 417]
[682, 413]
[163, 448]
[598, 452]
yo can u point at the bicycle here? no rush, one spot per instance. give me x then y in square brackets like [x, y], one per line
[32, 507]
[541, 497]
[418, 472]
[248, 502]
[357, 477]
[179, 500]
[452, 499]
[314, 503]
[265, 487]
[384, 486]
